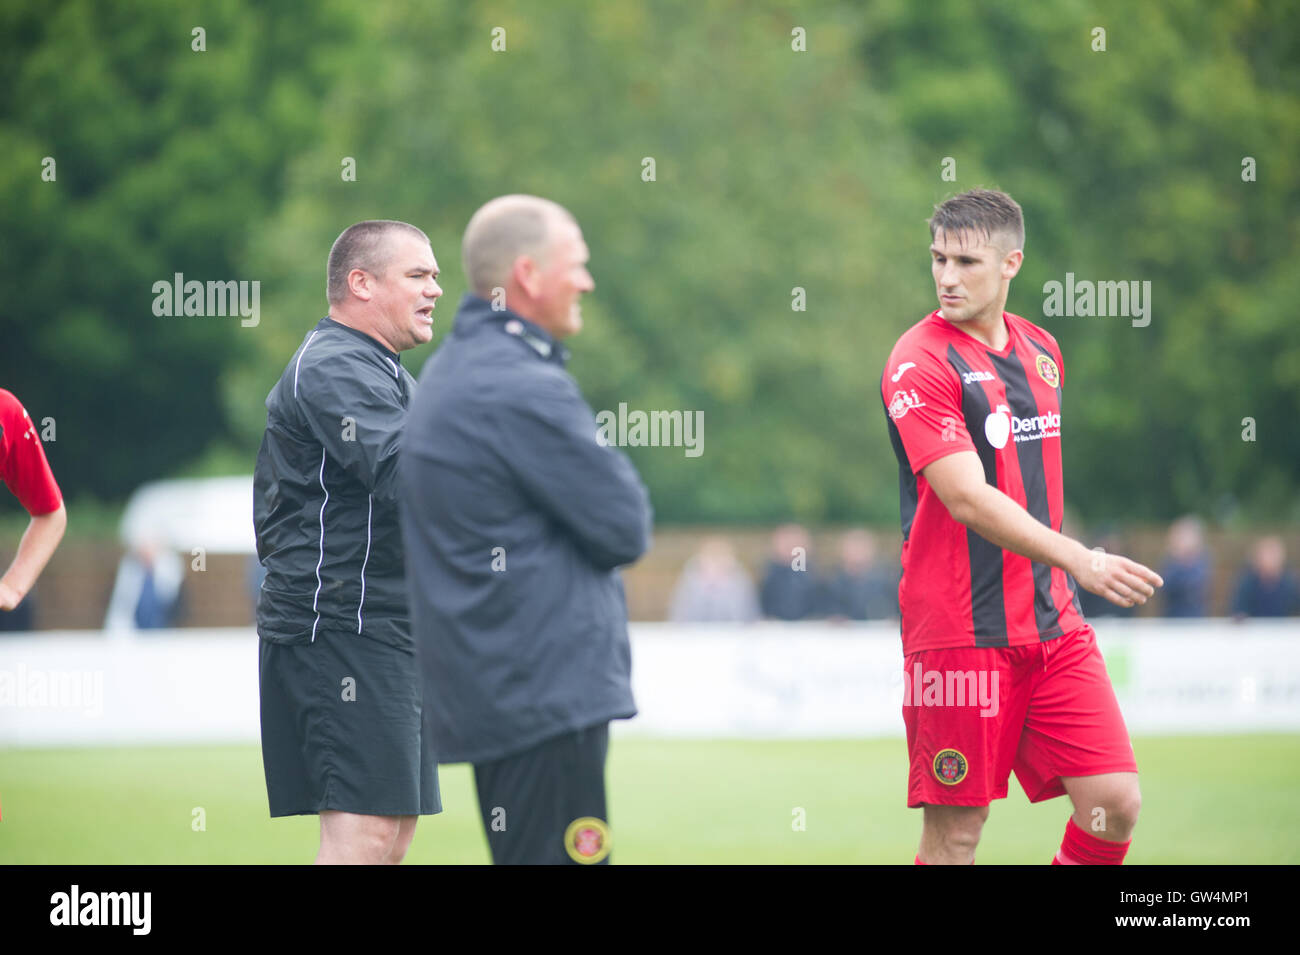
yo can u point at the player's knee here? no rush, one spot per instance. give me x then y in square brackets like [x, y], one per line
[386, 833]
[958, 827]
[400, 845]
[964, 841]
[1127, 803]
[372, 842]
[1117, 813]
[964, 831]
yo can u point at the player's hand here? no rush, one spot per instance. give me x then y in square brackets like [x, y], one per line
[9, 596]
[1122, 581]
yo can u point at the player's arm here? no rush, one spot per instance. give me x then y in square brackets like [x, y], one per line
[44, 531]
[958, 479]
[25, 470]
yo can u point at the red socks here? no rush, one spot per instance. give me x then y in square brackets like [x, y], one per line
[1083, 848]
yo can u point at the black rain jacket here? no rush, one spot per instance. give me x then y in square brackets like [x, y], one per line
[515, 523]
[325, 493]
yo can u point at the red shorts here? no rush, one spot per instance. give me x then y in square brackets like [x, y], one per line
[975, 713]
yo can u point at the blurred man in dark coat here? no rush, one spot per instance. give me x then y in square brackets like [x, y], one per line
[1267, 587]
[790, 589]
[1186, 570]
[861, 589]
[516, 520]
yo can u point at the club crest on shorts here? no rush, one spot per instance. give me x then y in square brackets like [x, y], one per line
[587, 840]
[1047, 370]
[949, 767]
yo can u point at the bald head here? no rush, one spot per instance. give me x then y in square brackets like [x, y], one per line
[505, 229]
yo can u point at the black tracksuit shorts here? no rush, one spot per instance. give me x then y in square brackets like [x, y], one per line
[344, 728]
[546, 805]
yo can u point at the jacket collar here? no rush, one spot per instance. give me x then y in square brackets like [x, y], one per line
[477, 313]
[328, 322]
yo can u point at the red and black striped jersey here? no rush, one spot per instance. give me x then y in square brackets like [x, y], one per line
[944, 391]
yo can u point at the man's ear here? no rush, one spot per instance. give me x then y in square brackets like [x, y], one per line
[526, 275]
[361, 284]
[1011, 263]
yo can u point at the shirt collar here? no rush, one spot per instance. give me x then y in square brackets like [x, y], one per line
[328, 322]
[476, 312]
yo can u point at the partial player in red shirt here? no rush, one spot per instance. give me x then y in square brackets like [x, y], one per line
[1001, 671]
[27, 474]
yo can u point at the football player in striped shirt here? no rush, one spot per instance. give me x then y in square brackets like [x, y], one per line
[1001, 670]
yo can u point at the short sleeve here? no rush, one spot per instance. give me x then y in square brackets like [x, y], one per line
[23, 466]
[922, 397]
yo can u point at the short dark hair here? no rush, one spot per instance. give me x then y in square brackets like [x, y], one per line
[986, 212]
[362, 246]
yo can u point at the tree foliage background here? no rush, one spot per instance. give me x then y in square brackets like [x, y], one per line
[775, 169]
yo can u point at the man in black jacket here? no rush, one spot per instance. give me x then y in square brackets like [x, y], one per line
[515, 520]
[344, 732]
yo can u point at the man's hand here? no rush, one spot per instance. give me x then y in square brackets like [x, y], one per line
[1122, 581]
[10, 597]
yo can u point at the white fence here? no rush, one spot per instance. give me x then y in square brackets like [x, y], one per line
[762, 681]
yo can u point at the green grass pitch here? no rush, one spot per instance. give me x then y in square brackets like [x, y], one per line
[1205, 799]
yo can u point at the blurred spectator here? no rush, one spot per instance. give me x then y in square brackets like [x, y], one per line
[789, 591]
[22, 618]
[147, 592]
[1097, 606]
[714, 587]
[861, 590]
[1266, 588]
[1186, 570]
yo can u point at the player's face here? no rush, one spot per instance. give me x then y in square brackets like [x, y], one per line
[970, 273]
[407, 292]
[562, 281]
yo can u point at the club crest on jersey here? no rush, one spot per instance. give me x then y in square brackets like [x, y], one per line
[949, 767]
[903, 402]
[1047, 370]
[587, 840]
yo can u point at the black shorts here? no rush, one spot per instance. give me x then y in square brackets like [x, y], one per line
[546, 805]
[344, 728]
